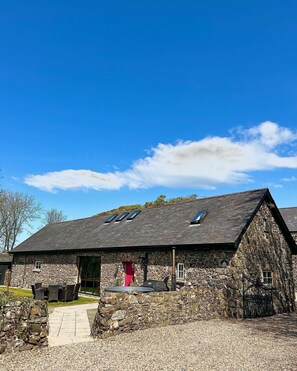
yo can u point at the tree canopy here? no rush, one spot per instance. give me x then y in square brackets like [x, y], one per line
[17, 211]
[53, 216]
[159, 201]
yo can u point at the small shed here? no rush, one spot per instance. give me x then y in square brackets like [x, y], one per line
[5, 265]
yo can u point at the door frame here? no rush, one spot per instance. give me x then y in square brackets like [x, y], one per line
[92, 279]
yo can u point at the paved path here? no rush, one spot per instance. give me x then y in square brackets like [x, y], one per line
[68, 325]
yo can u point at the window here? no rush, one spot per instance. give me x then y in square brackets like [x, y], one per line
[110, 218]
[267, 278]
[199, 217]
[37, 265]
[133, 214]
[121, 216]
[180, 272]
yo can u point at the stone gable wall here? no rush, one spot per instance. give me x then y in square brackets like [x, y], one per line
[262, 247]
[126, 312]
[23, 324]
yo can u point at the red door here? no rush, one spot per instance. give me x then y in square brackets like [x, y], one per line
[129, 273]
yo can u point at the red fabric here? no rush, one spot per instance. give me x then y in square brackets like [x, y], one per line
[129, 273]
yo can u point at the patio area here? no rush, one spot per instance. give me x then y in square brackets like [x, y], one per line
[70, 324]
[59, 292]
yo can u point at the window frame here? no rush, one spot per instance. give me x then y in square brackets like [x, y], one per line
[178, 271]
[267, 277]
[37, 265]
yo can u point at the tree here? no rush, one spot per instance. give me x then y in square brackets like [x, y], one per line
[54, 216]
[17, 211]
[121, 209]
[159, 201]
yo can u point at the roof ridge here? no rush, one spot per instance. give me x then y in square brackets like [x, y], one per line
[206, 198]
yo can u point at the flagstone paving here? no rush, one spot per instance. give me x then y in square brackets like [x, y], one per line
[69, 325]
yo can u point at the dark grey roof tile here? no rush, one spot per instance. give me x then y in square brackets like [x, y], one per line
[289, 215]
[163, 226]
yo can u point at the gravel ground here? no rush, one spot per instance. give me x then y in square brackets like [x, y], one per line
[258, 344]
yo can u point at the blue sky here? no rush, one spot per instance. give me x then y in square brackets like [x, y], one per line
[107, 103]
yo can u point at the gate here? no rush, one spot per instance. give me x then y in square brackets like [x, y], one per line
[257, 298]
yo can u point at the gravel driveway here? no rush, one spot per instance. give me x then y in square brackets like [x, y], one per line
[258, 344]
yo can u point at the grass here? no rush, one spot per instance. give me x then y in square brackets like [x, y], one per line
[81, 300]
[28, 293]
[21, 293]
[17, 292]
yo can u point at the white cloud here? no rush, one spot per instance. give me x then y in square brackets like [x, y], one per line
[205, 163]
[269, 134]
[291, 179]
[74, 179]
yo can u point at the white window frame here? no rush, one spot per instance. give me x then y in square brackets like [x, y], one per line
[180, 272]
[37, 265]
[267, 278]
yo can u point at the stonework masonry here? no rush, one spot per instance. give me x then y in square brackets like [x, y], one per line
[262, 248]
[202, 268]
[55, 269]
[23, 324]
[126, 312]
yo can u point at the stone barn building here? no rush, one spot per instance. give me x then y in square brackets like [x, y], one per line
[238, 243]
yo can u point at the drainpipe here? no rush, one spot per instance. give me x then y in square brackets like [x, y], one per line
[173, 275]
[145, 263]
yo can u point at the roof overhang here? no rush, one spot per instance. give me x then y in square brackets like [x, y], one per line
[225, 246]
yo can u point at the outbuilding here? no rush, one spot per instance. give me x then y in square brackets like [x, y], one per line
[236, 242]
[5, 267]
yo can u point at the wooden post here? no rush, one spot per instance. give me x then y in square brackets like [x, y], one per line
[173, 275]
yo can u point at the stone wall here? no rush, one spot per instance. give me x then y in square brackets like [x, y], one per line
[126, 312]
[55, 268]
[23, 324]
[262, 248]
[202, 267]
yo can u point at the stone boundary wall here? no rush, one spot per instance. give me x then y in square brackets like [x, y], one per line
[127, 312]
[23, 324]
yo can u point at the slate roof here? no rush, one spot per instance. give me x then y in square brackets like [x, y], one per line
[290, 217]
[169, 225]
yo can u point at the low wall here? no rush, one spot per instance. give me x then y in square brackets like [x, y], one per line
[23, 324]
[126, 312]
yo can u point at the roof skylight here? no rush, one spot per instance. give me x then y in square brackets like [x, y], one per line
[199, 217]
[133, 214]
[121, 216]
[110, 218]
